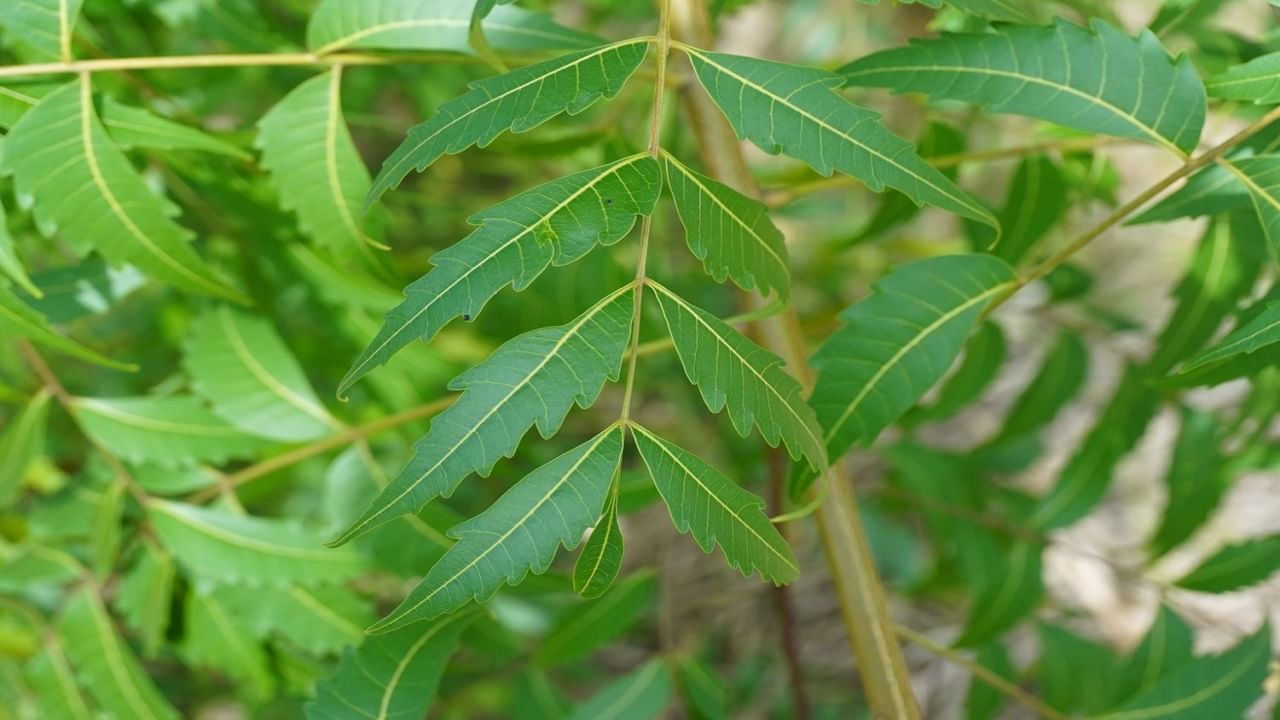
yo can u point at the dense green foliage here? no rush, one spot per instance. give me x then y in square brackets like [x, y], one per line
[239, 466]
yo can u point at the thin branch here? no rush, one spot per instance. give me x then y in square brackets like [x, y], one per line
[323, 445]
[227, 60]
[979, 672]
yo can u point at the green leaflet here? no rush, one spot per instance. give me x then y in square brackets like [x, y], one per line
[554, 223]
[1014, 593]
[983, 357]
[1196, 480]
[1006, 10]
[984, 702]
[1261, 331]
[551, 506]
[146, 595]
[641, 695]
[1235, 566]
[733, 372]
[246, 372]
[1036, 202]
[1213, 189]
[703, 692]
[1061, 375]
[1076, 674]
[1096, 79]
[172, 431]
[103, 662]
[1166, 647]
[129, 126]
[105, 532]
[730, 233]
[43, 28]
[794, 110]
[322, 619]
[1215, 686]
[222, 547]
[1222, 273]
[28, 566]
[1257, 80]
[897, 343]
[10, 264]
[54, 684]
[936, 140]
[433, 25]
[17, 319]
[714, 510]
[1176, 14]
[390, 676]
[585, 628]
[1261, 175]
[61, 157]
[309, 151]
[518, 101]
[21, 442]
[601, 556]
[213, 639]
[534, 378]
[1085, 479]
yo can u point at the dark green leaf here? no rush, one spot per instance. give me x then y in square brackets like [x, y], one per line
[1235, 567]
[1261, 331]
[1166, 647]
[642, 695]
[1196, 480]
[983, 356]
[601, 556]
[585, 628]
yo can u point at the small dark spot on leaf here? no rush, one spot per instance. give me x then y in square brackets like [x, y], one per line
[466, 316]
[608, 201]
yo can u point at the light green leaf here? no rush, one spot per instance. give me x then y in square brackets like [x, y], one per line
[521, 532]
[795, 110]
[1166, 647]
[1196, 480]
[1235, 567]
[391, 676]
[10, 264]
[983, 357]
[714, 510]
[21, 442]
[105, 533]
[1176, 14]
[601, 556]
[730, 233]
[1261, 175]
[642, 695]
[242, 367]
[534, 378]
[1216, 686]
[1257, 80]
[146, 595]
[1016, 589]
[54, 684]
[1085, 479]
[554, 223]
[61, 158]
[900, 341]
[1006, 10]
[592, 625]
[518, 101]
[174, 431]
[42, 27]
[733, 372]
[222, 547]
[432, 25]
[1222, 273]
[322, 619]
[17, 319]
[104, 664]
[212, 639]
[1261, 331]
[1096, 79]
[309, 151]
[29, 566]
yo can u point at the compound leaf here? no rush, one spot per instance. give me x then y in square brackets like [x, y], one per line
[62, 158]
[434, 25]
[795, 110]
[730, 233]
[227, 548]
[533, 378]
[707, 504]
[554, 223]
[242, 367]
[521, 532]
[900, 341]
[390, 676]
[309, 151]
[518, 101]
[172, 431]
[1096, 79]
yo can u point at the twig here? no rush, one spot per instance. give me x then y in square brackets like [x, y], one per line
[225, 60]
